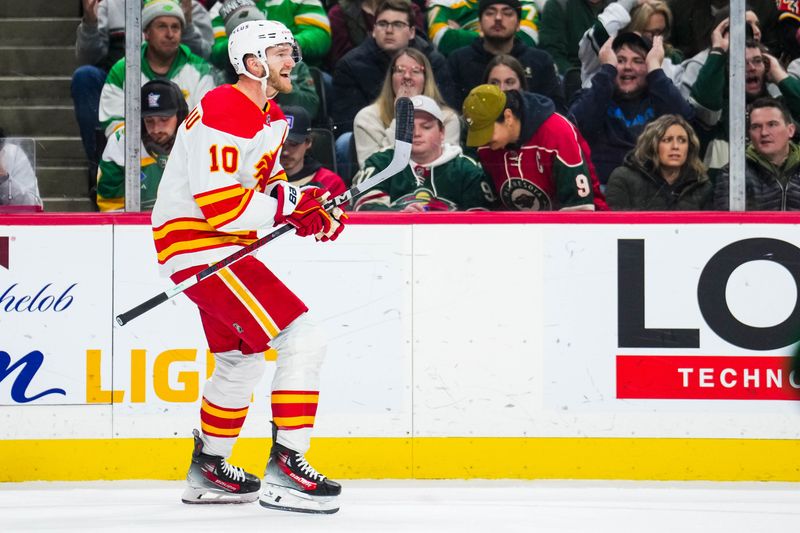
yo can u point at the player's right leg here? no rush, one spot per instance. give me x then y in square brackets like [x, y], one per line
[242, 309]
[226, 398]
[212, 479]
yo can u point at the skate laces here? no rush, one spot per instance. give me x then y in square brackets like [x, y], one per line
[234, 472]
[306, 468]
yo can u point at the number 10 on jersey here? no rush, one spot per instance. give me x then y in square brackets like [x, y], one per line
[227, 158]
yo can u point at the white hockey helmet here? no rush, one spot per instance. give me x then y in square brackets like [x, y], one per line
[254, 37]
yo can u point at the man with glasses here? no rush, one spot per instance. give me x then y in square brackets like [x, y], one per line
[359, 75]
[764, 76]
[761, 70]
[439, 177]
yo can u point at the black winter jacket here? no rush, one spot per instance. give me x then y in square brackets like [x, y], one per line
[467, 66]
[763, 190]
[633, 187]
[358, 78]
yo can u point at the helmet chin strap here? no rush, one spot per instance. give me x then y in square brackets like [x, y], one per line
[263, 79]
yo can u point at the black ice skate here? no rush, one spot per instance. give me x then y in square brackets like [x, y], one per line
[291, 484]
[212, 479]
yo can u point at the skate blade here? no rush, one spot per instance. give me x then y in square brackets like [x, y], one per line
[210, 496]
[286, 499]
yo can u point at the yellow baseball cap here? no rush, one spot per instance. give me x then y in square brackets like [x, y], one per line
[481, 108]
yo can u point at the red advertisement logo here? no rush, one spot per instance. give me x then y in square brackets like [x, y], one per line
[4, 252]
[674, 377]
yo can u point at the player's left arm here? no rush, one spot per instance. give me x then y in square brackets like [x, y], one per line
[477, 193]
[379, 197]
[571, 171]
[573, 187]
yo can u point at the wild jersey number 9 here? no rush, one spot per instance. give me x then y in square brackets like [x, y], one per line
[583, 186]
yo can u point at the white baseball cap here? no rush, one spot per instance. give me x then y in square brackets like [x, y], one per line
[428, 105]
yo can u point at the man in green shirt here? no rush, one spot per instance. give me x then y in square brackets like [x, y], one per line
[453, 24]
[163, 57]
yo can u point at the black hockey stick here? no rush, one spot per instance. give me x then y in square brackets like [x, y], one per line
[404, 131]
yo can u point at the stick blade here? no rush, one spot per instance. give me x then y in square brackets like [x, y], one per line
[404, 119]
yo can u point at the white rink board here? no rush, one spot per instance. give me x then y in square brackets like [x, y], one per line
[55, 302]
[357, 291]
[496, 330]
[47, 294]
[581, 339]
[477, 330]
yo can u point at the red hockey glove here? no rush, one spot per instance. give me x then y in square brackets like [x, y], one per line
[302, 209]
[337, 225]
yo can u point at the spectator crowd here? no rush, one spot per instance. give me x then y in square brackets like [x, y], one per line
[519, 104]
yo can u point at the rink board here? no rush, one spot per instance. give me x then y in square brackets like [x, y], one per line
[570, 345]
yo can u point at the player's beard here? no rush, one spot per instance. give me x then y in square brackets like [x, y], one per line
[278, 83]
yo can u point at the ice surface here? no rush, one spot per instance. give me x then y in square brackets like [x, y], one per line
[418, 506]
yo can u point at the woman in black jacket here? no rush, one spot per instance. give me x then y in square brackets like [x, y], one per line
[663, 172]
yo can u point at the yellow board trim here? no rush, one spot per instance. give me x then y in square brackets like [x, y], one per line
[423, 458]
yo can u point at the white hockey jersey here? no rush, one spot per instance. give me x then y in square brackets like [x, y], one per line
[215, 190]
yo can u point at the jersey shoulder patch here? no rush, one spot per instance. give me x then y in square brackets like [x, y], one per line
[228, 110]
[274, 111]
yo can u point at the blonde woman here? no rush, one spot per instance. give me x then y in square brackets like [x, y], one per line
[409, 74]
[663, 172]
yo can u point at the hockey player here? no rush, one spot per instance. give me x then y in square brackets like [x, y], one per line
[223, 181]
